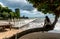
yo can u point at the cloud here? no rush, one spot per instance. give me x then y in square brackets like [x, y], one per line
[2, 4]
[17, 1]
[22, 4]
[26, 8]
[33, 13]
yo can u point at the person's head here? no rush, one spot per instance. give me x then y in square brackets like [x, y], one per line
[47, 18]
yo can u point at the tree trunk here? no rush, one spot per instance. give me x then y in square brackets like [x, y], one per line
[55, 21]
[35, 29]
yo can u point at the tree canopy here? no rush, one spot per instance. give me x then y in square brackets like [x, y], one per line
[6, 13]
[17, 11]
[47, 6]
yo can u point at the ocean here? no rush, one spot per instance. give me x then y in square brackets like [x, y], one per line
[39, 22]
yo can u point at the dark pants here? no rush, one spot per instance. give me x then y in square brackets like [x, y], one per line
[48, 27]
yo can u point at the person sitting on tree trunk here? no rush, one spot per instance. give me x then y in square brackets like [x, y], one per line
[47, 23]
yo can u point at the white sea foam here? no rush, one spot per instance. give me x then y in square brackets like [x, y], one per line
[28, 24]
[40, 23]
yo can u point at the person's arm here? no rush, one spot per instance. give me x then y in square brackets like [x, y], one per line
[44, 22]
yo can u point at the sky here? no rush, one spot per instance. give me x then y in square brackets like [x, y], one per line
[26, 8]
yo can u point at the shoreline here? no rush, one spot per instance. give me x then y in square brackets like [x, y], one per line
[25, 25]
[40, 35]
[37, 34]
[18, 30]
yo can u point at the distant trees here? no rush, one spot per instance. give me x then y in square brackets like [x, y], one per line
[24, 17]
[6, 13]
[17, 11]
[12, 15]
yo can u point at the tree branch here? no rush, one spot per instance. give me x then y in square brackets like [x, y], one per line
[55, 21]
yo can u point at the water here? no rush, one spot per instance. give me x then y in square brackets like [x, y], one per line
[40, 22]
[36, 23]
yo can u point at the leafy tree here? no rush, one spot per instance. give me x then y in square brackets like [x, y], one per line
[48, 6]
[17, 11]
[5, 15]
[11, 15]
[45, 6]
[6, 12]
[15, 15]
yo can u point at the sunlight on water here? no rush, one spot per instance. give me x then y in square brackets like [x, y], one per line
[38, 23]
[56, 29]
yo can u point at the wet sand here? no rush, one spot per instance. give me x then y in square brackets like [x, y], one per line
[41, 35]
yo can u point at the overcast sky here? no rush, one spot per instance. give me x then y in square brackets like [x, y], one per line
[25, 7]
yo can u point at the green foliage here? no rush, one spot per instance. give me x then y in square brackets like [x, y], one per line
[11, 15]
[17, 11]
[47, 6]
[5, 12]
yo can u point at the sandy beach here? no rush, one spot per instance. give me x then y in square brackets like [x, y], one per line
[29, 19]
[9, 33]
[28, 24]
[40, 35]
[53, 34]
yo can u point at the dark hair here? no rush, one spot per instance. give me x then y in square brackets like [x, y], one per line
[47, 19]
